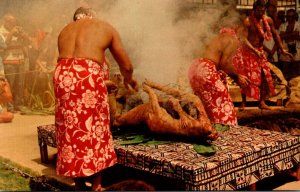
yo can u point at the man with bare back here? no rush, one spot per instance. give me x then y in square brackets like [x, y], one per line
[84, 140]
[207, 76]
[257, 28]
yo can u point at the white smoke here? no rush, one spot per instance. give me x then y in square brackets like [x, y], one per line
[160, 37]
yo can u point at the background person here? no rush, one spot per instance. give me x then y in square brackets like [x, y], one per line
[5, 97]
[257, 28]
[14, 57]
[289, 32]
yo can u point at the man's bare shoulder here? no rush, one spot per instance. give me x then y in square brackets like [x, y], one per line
[217, 41]
[89, 23]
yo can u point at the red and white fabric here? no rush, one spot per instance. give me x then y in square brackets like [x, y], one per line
[84, 140]
[252, 67]
[208, 84]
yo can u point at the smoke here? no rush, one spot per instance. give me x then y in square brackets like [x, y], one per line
[162, 37]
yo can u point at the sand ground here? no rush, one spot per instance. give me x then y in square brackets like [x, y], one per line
[19, 143]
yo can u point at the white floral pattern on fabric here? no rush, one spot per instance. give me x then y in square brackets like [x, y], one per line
[252, 67]
[84, 141]
[207, 84]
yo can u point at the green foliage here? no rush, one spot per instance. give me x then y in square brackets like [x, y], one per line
[204, 149]
[11, 180]
[141, 139]
[221, 128]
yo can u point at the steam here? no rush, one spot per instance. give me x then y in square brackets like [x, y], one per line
[160, 36]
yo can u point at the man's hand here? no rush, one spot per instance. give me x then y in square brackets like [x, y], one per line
[242, 81]
[260, 54]
[111, 86]
[285, 52]
[131, 83]
[270, 58]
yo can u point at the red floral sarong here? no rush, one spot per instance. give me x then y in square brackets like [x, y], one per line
[84, 141]
[208, 85]
[252, 67]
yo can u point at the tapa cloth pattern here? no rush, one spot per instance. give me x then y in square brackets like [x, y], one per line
[244, 156]
[84, 140]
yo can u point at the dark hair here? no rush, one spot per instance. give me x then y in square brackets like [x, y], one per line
[259, 3]
[130, 185]
[270, 5]
[291, 10]
[82, 10]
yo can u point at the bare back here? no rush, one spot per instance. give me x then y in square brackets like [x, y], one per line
[85, 38]
[221, 50]
[89, 38]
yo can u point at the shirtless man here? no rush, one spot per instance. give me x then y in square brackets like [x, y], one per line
[207, 76]
[257, 28]
[84, 140]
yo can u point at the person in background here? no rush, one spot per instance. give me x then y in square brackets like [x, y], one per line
[14, 57]
[2, 48]
[280, 19]
[84, 140]
[258, 28]
[44, 64]
[269, 46]
[289, 32]
[5, 92]
[5, 97]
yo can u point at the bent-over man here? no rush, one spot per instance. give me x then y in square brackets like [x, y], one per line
[207, 76]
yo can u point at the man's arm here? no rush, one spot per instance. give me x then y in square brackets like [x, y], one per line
[275, 34]
[278, 39]
[122, 59]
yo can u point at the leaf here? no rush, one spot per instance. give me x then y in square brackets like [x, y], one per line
[133, 140]
[68, 137]
[221, 128]
[204, 149]
[88, 123]
[91, 81]
[153, 142]
[79, 68]
[97, 146]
